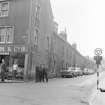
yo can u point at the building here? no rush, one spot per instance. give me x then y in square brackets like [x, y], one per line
[63, 35]
[74, 45]
[65, 55]
[25, 31]
[55, 26]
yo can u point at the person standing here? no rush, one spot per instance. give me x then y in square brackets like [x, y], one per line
[3, 70]
[45, 73]
[40, 73]
[15, 68]
[37, 74]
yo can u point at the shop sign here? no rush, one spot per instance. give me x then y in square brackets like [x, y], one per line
[19, 49]
[5, 49]
[8, 48]
[2, 49]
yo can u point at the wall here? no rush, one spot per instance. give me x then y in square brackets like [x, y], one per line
[40, 51]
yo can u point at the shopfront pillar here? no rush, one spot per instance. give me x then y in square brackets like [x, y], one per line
[26, 67]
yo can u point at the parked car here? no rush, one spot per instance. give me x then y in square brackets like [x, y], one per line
[88, 71]
[77, 72]
[68, 73]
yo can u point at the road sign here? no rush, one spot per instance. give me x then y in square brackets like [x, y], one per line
[98, 51]
[98, 59]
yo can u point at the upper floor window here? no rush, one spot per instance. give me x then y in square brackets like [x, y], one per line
[6, 34]
[4, 8]
[37, 10]
[36, 33]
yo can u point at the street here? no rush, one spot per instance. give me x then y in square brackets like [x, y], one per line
[52, 39]
[58, 91]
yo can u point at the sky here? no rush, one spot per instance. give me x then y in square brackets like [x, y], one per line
[84, 21]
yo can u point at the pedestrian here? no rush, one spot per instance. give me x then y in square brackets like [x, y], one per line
[37, 74]
[15, 68]
[40, 73]
[45, 73]
[3, 70]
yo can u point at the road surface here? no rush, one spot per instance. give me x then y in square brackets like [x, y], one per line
[68, 91]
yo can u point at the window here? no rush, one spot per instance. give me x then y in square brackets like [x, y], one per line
[2, 35]
[4, 8]
[9, 35]
[37, 10]
[6, 34]
[36, 33]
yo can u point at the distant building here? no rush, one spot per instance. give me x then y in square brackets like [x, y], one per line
[63, 35]
[55, 27]
[74, 45]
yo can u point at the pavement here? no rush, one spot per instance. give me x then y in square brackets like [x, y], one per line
[98, 96]
[58, 91]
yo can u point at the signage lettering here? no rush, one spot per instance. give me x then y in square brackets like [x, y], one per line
[9, 49]
[19, 49]
[2, 49]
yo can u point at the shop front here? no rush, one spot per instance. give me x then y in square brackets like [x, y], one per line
[14, 56]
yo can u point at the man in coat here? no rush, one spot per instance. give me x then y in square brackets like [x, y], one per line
[37, 74]
[45, 73]
[3, 70]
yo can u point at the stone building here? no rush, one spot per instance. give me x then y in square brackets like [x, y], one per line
[65, 55]
[25, 31]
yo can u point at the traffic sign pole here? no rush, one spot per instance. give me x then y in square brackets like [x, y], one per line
[98, 59]
[97, 77]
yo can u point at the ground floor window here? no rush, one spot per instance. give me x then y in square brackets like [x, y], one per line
[14, 65]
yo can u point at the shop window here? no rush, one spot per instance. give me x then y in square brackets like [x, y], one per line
[4, 8]
[20, 57]
[6, 34]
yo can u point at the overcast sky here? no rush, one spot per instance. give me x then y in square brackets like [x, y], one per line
[85, 23]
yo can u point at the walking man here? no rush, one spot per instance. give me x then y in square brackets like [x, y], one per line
[3, 70]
